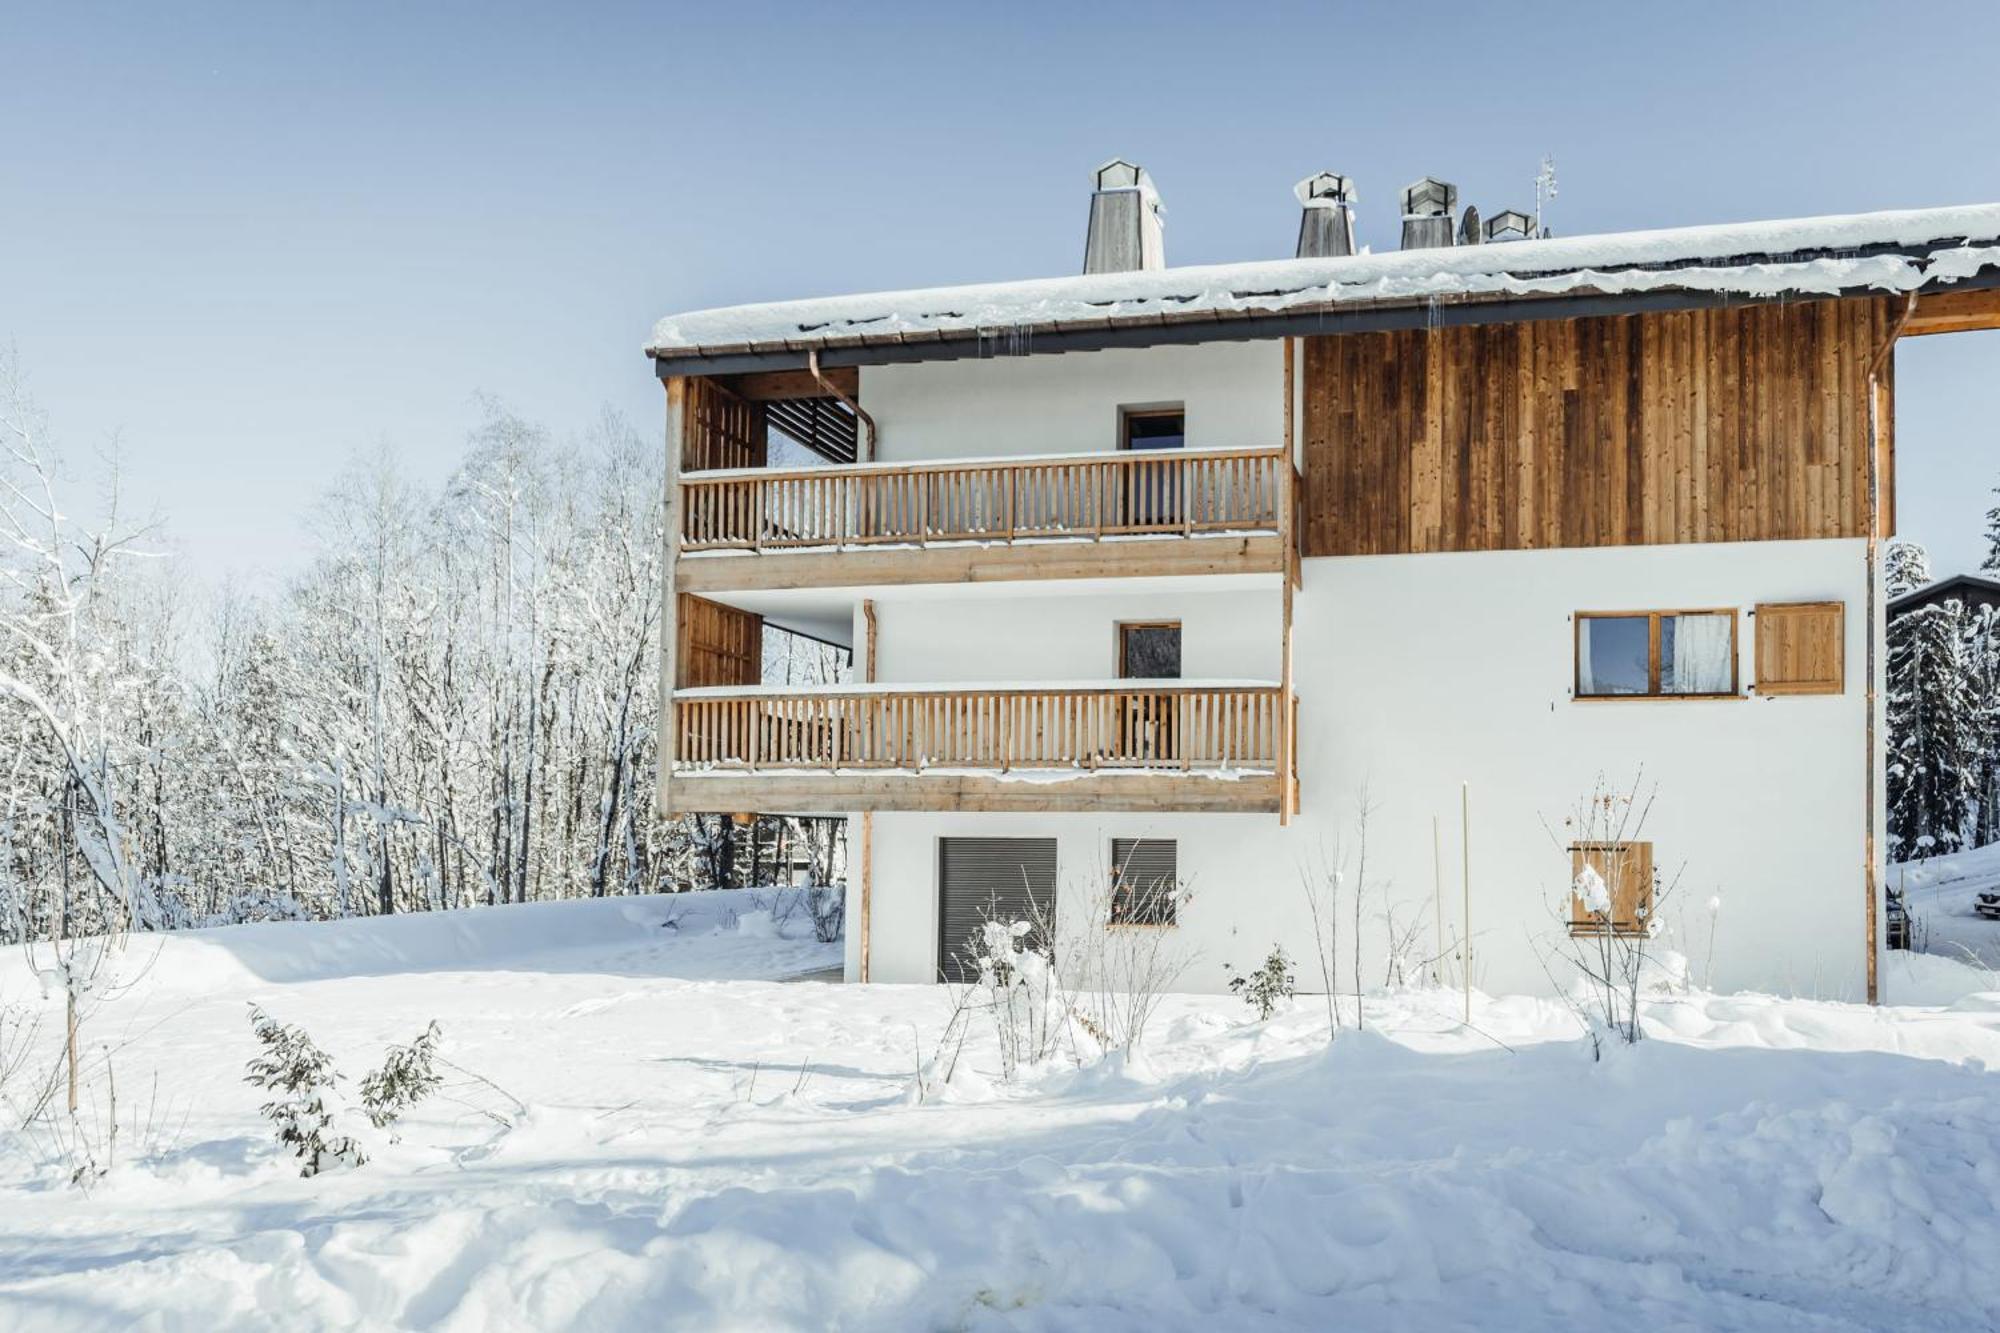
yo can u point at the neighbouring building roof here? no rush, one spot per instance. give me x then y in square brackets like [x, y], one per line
[1970, 590]
[1888, 252]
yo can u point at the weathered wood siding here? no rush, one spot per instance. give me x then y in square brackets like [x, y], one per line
[1736, 424]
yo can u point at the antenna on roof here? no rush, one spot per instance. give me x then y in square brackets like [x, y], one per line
[1468, 228]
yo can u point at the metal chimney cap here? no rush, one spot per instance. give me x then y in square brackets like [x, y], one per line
[1325, 190]
[1429, 198]
[1118, 174]
[1509, 224]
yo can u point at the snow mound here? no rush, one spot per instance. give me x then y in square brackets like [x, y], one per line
[535, 935]
[627, 1141]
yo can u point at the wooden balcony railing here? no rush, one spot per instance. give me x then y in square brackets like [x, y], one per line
[1091, 496]
[1127, 725]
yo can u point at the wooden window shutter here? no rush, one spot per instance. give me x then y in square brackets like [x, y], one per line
[1627, 871]
[1800, 647]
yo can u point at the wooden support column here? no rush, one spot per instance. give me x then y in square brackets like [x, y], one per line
[1881, 415]
[864, 850]
[1287, 791]
[1288, 546]
[669, 729]
[864, 452]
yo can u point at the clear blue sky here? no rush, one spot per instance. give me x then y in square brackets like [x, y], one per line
[255, 238]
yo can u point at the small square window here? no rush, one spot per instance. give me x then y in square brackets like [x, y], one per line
[1154, 428]
[1145, 881]
[1149, 650]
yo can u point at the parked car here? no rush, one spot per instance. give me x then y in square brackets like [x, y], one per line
[1899, 921]
[1988, 904]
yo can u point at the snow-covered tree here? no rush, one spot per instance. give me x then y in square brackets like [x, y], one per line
[1933, 736]
[1982, 675]
[452, 702]
[1992, 561]
[1906, 567]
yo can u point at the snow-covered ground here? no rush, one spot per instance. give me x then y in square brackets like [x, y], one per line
[1939, 892]
[706, 1153]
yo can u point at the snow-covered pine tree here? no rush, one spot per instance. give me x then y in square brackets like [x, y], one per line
[1932, 738]
[1992, 561]
[301, 1077]
[1982, 674]
[1906, 567]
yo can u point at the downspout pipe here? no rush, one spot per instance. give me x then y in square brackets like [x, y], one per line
[1875, 365]
[867, 451]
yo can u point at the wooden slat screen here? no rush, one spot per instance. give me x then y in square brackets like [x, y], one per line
[723, 430]
[1627, 871]
[719, 645]
[1739, 424]
[1116, 494]
[1801, 647]
[1162, 727]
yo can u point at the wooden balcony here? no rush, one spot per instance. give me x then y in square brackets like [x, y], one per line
[1101, 515]
[1118, 746]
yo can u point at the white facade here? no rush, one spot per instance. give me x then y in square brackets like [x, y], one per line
[1419, 677]
[1419, 674]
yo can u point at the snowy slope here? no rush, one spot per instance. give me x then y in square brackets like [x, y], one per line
[705, 1154]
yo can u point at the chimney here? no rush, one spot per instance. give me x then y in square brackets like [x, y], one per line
[1509, 225]
[1427, 208]
[1125, 221]
[1326, 227]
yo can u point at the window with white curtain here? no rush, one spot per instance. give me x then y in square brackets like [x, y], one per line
[1656, 654]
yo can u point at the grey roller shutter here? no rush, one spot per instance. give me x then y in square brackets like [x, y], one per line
[1147, 872]
[983, 879]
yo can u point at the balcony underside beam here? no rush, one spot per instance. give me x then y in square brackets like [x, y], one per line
[1159, 557]
[802, 794]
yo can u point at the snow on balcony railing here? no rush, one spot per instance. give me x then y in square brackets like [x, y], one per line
[1152, 725]
[1094, 496]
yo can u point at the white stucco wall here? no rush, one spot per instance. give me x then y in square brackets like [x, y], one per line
[1233, 394]
[1416, 674]
[1057, 635]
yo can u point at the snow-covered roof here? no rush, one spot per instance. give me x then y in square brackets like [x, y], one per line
[1884, 252]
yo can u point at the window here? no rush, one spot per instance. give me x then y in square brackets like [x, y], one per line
[1800, 648]
[1153, 428]
[1611, 887]
[1144, 881]
[1149, 650]
[1656, 654]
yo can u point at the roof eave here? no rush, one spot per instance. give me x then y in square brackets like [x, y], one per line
[1157, 329]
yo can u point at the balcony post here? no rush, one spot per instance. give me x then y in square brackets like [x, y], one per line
[1287, 705]
[669, 742]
